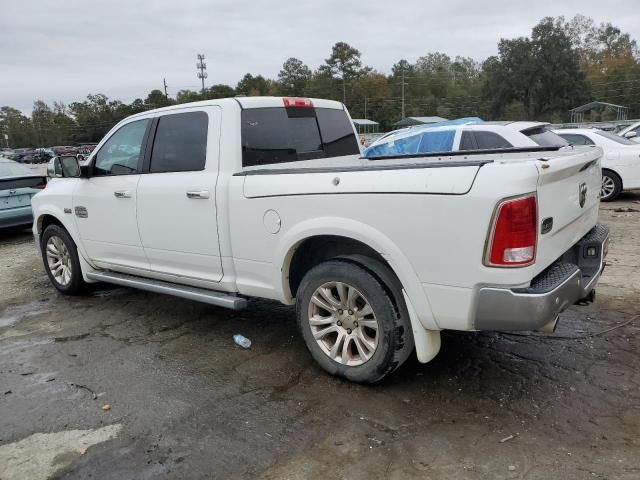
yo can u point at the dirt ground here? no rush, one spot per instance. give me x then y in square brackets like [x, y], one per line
[185, 402]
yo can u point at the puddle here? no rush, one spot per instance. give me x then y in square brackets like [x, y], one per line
[11, 315]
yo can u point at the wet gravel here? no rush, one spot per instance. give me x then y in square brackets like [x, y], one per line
[185, 402]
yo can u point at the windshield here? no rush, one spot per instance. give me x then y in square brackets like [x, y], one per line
[12, 169]
[616, 138]
[545, 137]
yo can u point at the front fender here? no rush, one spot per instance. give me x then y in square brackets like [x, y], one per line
[360, 232]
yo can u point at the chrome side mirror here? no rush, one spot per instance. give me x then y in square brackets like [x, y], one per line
[66, 166]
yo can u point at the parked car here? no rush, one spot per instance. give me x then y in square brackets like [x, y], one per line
[620, 162]
[18, 184]
[269, 197]
[632, 132]
[464, 134]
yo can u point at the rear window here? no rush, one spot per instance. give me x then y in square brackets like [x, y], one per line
[279, 135]
[575, 139]
[482, 140]
[545, 137]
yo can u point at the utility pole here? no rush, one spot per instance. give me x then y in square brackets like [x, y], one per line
[403, 117]
[344, 90]
[201, 66]
[166, 95]
[365, 107]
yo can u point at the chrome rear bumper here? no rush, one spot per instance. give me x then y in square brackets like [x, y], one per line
[567, 281]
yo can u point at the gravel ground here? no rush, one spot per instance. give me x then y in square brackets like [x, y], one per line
[123, 384]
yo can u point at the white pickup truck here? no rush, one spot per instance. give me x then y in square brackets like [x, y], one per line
[269, 197]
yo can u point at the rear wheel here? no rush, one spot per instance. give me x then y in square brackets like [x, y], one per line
[61, 262]
[350, 323]
[611, 186]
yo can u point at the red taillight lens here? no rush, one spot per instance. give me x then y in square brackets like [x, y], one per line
[42, 184]
[514, 234]
[297, 102]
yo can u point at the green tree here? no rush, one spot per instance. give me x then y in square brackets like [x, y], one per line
[17, 126]
[293, 77]
[157, 99]
[253, 86]
[218, 91]
[343, 64]
[542, 73]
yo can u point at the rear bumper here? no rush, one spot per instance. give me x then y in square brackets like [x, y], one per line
[14, 217]
[567, 281]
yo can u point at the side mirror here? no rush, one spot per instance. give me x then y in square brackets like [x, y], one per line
[66, 166]
[631, 134]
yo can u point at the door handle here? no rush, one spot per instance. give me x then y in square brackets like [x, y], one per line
[203, 194]
[122, 194]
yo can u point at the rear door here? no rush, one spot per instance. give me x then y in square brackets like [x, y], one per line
[177, 214]
[568, 199]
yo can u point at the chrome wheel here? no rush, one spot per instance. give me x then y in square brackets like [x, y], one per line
[343, 323]
[608, 187]
[58, 260]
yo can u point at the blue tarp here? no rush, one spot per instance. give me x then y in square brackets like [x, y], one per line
[435, 137]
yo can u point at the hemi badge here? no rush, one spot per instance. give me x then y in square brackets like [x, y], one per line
[67, 210]
[81, 212]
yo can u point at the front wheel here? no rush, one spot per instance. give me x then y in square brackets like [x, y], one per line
[349, 322]
[61, 262]
[611, 186]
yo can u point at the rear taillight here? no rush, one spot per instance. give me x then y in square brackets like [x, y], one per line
[297, 102]
[513, 237]
[42, 184]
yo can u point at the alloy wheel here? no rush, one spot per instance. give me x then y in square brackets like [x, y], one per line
[343, 323]
[58, 260]
[608, 187]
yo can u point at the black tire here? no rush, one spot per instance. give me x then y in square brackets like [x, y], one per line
[76, 283]
[394, 337]
[614, 179]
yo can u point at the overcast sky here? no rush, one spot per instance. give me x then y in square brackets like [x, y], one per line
[64, 49]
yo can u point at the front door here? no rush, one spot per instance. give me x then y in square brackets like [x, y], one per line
[177, 214]
[104, 205]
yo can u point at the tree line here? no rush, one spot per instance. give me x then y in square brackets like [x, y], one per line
[560, 65]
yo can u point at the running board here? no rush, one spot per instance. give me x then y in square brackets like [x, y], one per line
[211, 297]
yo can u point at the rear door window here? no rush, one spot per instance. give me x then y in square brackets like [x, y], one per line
[180, 144]
[279, 135]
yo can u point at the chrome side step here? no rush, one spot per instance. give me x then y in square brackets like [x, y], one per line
[221, 299]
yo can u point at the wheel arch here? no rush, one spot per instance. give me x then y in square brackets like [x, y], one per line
[608, 169]
[338, 237]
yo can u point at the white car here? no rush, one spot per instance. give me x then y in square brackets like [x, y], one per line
[454, 136]
[632, 132]
[620, 162]
[269, 197]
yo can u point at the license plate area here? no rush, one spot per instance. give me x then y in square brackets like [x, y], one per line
[15, 201]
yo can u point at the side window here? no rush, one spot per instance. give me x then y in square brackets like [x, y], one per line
[180, 144]
[490, 141]
[467, 142]
[120, 155]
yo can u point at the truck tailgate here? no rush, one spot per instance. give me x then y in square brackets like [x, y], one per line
[568, 200]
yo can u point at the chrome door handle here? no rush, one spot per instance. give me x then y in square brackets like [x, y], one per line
[122, 194]
[204, 194]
